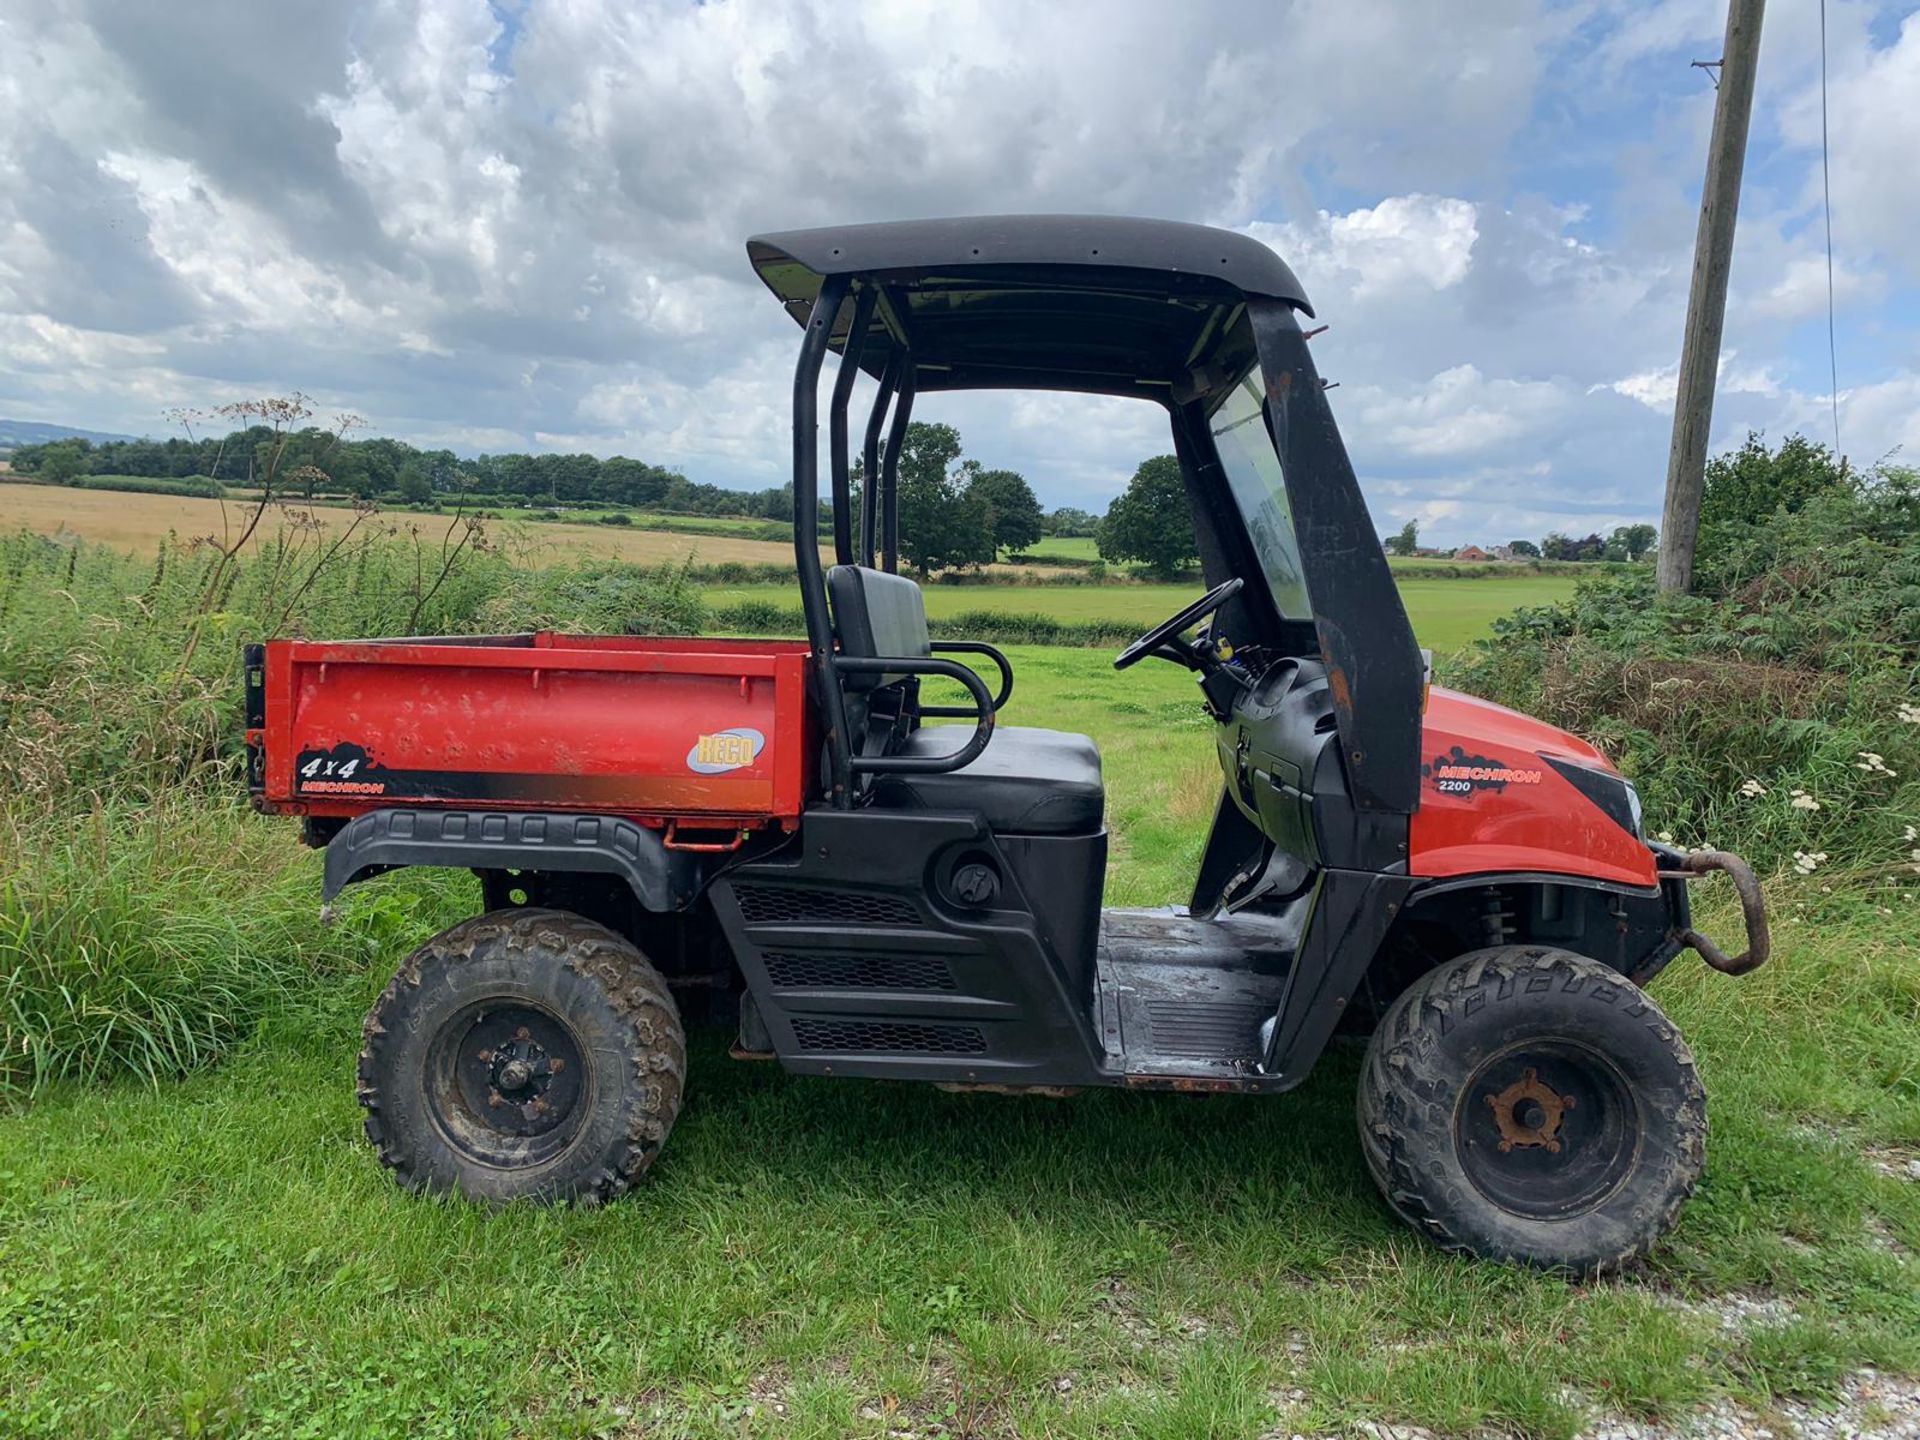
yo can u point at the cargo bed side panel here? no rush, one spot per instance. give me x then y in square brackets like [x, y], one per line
[670, 731]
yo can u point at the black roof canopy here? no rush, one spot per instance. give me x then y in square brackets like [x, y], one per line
[1071, 302]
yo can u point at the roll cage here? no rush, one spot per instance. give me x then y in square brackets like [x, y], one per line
[1174, 313]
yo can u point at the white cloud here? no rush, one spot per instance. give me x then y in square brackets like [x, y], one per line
[495, 235]
[1405, 240]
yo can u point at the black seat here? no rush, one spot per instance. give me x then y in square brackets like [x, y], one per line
[876, 615]
[1026, 782]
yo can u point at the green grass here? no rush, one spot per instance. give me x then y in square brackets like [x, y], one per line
[1064, 547]
[222, 1255]
[1446, 613]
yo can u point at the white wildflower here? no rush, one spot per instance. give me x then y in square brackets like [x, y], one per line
[1665, 837]
[1753, 789]
[1910, 835]
[1808, 861]
[1873, 764]
[1910, 714]
[1803, 801]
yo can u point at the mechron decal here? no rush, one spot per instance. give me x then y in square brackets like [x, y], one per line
[1459, 773]
[339, 771]
[725, 750]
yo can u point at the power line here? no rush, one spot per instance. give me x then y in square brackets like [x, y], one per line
[1826, 200]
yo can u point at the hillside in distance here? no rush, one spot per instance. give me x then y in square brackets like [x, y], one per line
[14, 433]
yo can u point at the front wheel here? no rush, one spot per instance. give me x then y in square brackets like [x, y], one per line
[1533, 1105]
[526, 1054]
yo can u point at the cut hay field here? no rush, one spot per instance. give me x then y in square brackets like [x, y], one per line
[1446, 612]
[136, 522]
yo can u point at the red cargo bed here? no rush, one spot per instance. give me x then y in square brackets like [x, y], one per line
[711, 733]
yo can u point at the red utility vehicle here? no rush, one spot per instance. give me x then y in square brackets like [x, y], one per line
[771, 822]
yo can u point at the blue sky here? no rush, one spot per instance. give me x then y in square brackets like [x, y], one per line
[519, 224]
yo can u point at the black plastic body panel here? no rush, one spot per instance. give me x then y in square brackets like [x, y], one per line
[1373, 665]
[381, 840]
[996, 992]
[1280, 751]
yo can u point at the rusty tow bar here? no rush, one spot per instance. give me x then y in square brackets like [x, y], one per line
[1753, 908]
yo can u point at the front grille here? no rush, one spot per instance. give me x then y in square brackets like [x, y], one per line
[889, 1037]
[859, 972]
[775, 905]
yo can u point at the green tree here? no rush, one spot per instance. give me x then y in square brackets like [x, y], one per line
[1749, 486]
[412, 483]
[1407, 541]
[1069, 521]
[1150, 520]
[1013, 509]
[1524, 547]
[942, 525]
[929, 453]
[1638, 540]
[64, 463]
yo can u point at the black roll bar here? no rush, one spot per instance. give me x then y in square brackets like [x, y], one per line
[890, 474]
[806, 531]
[870, 458]
[837, 424]
[925, 764]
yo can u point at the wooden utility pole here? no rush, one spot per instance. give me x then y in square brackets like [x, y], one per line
[1707, 298]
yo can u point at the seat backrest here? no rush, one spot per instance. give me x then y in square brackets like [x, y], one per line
[876, 615]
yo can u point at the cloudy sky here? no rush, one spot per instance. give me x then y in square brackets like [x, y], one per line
[518, 225]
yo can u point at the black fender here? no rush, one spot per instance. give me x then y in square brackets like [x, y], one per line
[1635, 930]
[382, 840]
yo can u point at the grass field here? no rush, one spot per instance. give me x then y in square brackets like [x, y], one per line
[1446, 613]
[136, 522]
[223, 1256]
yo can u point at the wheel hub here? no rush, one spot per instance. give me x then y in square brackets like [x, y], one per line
[506, 1080]
[1529, 1113]
[519, 1071]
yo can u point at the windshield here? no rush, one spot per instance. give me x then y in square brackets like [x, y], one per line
[1253, 474]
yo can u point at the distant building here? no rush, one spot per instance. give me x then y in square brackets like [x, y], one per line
[1471, 552]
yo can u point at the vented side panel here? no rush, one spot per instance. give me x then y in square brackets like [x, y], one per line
[889, 1037]
[859, 972]
[774, 905]
[1204, 1028]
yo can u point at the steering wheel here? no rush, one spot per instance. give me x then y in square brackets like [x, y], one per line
[1166, 630]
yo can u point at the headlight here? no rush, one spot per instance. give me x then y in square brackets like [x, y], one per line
[1615, 796]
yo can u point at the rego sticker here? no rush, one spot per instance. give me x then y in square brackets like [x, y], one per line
[733, 749]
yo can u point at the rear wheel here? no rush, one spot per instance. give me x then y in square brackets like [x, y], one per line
[1532, 1105]
[527, 1054]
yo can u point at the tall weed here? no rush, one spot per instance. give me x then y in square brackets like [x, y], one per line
[1777, 708]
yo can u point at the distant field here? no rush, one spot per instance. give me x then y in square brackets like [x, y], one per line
[1446, 613]
[135, 522]
[130, 521]
[1066, 547]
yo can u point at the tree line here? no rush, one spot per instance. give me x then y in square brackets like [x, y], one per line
[1627, 542]
[321, 464]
